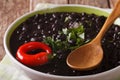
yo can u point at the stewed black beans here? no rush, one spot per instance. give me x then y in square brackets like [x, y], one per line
[40, 26]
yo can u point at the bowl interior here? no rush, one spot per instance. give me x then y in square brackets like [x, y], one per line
[78, 9]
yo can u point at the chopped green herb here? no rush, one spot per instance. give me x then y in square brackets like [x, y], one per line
[74, 39]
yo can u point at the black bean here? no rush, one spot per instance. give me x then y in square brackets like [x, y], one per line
[40, 26]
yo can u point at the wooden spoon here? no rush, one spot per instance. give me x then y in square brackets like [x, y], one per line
[90, 55]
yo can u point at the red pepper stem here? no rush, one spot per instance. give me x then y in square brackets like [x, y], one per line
[50, 56]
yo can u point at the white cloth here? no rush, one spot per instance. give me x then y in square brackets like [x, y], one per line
[9, 72]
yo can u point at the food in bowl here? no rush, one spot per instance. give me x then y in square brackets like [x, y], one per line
[63, 32]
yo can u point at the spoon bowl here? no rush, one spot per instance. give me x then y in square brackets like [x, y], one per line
[90, 55]
[85, 58]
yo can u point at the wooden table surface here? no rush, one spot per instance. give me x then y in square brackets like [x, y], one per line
[12, 9]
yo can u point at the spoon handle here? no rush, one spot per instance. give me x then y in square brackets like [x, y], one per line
[112, 17]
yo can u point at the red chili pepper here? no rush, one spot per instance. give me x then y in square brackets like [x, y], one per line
[36, 59]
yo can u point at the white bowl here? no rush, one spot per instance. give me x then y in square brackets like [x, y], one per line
[113, 74]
